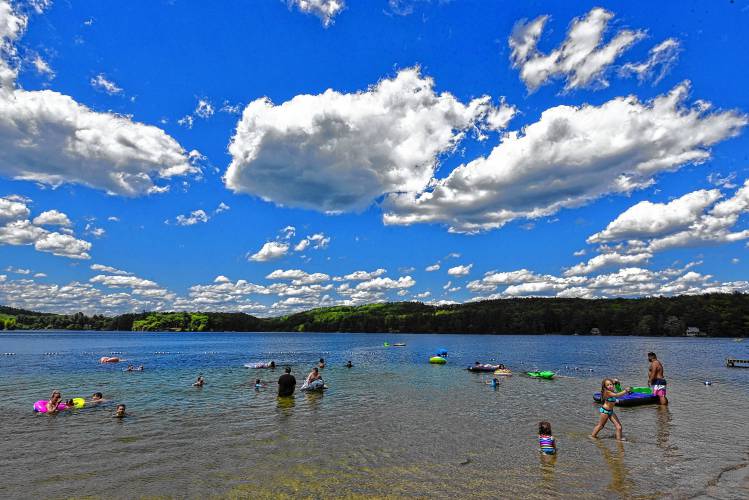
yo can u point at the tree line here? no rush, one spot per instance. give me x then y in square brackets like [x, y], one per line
[715, 315]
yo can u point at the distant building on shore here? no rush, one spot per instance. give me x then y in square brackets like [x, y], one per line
[693, 331]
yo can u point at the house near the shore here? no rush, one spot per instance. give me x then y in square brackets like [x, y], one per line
[693, 331]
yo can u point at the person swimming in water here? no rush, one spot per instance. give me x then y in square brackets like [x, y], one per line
[55, 400]
[120, 411]
[259, 384]
[606, 411]
[321, 364]
[199, 382]
[349, 365]
[96, 398]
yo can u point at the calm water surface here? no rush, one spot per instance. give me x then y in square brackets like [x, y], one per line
[391, 426]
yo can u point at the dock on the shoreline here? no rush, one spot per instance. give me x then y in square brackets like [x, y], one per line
[737, 363]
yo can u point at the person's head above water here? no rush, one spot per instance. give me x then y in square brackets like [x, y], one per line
[120, 411]
[315, 370]
[56, 395]
[544, 428]
[97, 395]
[287, 369]
[652, 356]
[257, 381]
[272, 364]
[476, 363]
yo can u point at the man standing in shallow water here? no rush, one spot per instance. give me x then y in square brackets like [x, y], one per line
[656, 379]
[286, 383]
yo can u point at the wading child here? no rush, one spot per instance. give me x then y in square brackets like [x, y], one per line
[606, 411]
[546, 441]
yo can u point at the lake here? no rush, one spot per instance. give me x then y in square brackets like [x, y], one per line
[393, 425]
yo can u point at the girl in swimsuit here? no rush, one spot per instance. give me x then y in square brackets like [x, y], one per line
[606, 411]
[53, 405]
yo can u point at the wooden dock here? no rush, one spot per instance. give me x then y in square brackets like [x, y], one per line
[737, 363]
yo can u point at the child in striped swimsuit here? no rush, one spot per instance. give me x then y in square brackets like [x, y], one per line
[545, 439]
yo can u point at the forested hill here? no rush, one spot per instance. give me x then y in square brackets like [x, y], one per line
[719, 315]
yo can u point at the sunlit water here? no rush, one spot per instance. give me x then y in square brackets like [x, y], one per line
[391, 426]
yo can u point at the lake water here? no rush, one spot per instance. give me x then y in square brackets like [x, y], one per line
[391, 426]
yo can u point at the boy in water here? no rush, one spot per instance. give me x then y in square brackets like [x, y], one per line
[120, 411]
[656, 378]
[96, 398]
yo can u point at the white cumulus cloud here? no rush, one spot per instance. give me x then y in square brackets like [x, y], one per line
[52, 218]
[336, 152]
[569, 157]
[48, 137]
[460, 270]
[326, 10]
[271, 250]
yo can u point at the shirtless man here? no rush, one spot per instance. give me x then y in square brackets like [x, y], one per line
[656, 379]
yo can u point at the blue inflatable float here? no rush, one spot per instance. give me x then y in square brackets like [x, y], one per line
[633, 399]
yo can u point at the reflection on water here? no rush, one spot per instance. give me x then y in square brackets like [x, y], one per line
[613, 455]
[392, 425]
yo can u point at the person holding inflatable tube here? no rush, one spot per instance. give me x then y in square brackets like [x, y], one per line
[608, 398]
[55, 404]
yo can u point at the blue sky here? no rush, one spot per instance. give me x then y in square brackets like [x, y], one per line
[272, 156]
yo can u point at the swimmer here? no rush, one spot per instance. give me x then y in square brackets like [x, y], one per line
[129, 368]
[313, 375]
[546, 441]
[259, 384]
[606, 411]
[120, 411]
[96, 398]
[349, 365]
[55, 399]
[321, 364]
[493, 382]
[199, 382]
[272, 365]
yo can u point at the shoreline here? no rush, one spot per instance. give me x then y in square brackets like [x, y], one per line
[478, 334]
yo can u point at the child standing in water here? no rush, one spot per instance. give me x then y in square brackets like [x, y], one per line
[546, 441]
[608, 400]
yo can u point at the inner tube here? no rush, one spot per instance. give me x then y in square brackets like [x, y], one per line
[482, 368]
[506, 372]
[437, 360]
[633, 399]
[548, 375]
[399, 344]
[315, 385]
[107, 359]
[41, 406]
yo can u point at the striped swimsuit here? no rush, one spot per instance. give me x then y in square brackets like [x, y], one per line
[547, 444]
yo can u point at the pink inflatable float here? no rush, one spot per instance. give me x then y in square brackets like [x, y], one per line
[41, 406]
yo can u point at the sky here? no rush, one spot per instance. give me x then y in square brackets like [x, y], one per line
[272, 156]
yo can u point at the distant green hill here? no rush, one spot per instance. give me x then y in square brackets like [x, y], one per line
[718, 315]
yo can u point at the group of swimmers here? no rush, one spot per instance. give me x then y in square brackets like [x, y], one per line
[610, 391]
[55, 404]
